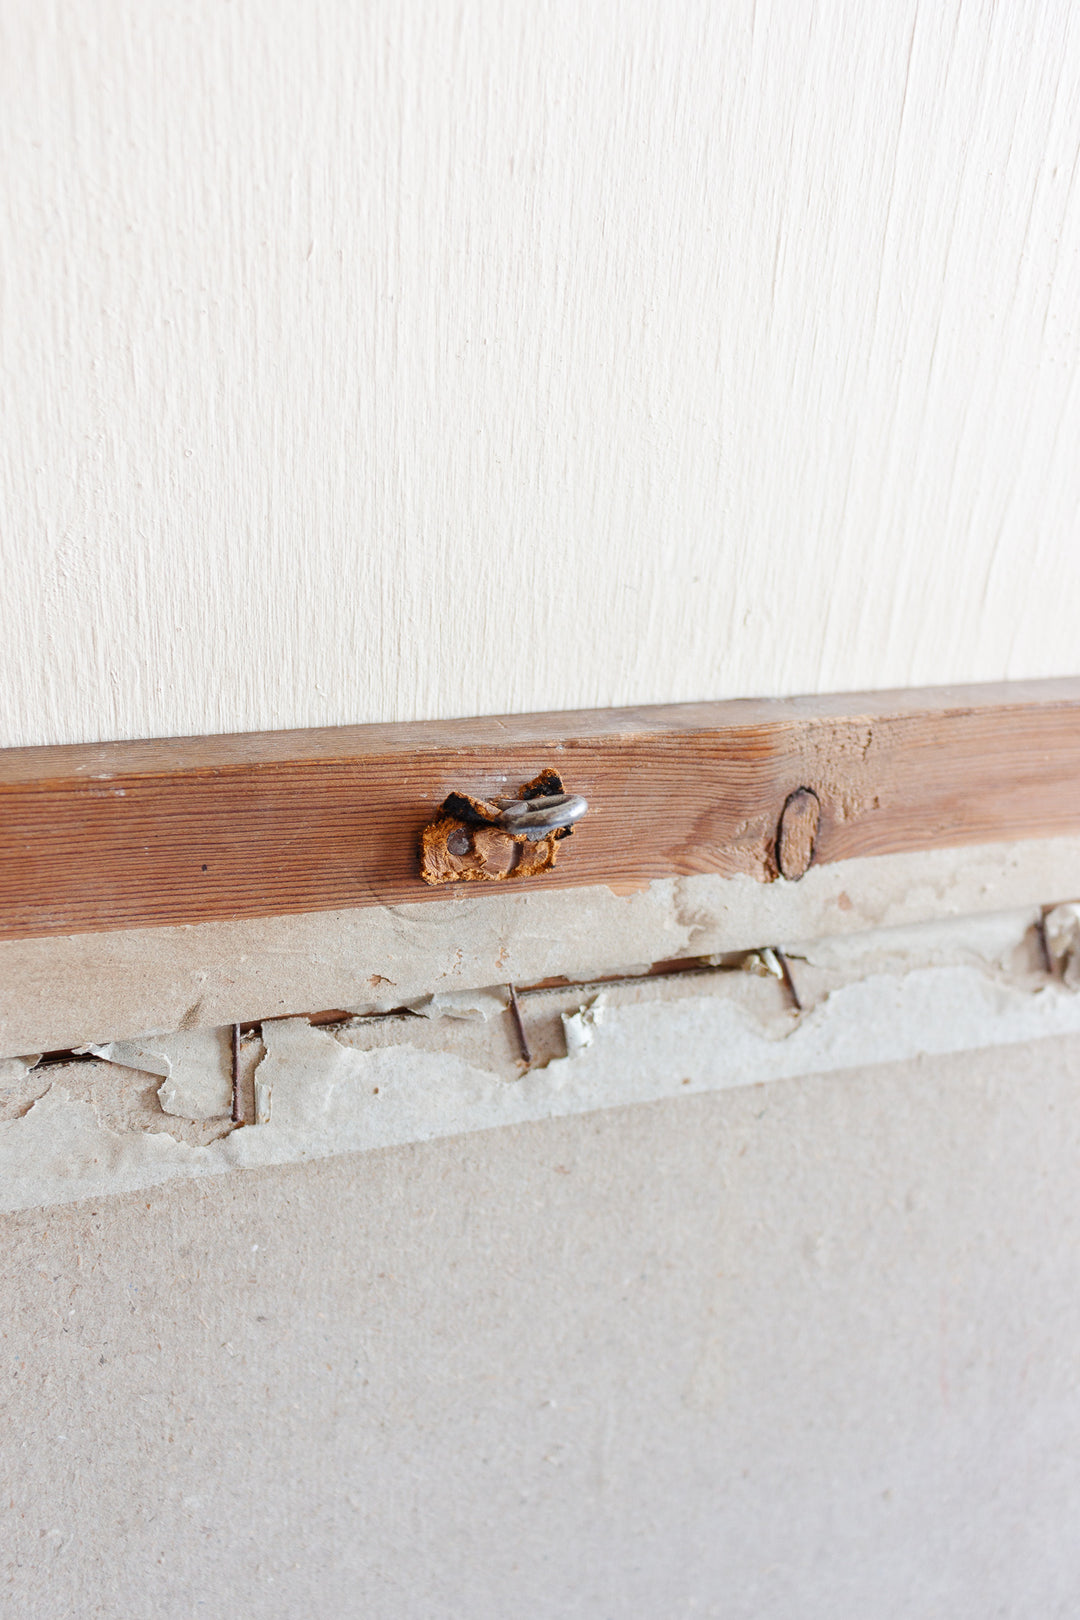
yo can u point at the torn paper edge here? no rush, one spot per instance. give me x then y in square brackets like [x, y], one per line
[320, 1097]
[196, 1066]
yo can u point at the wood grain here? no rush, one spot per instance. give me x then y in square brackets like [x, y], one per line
[187, 830]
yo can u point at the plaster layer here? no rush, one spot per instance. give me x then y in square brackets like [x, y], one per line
[414, 359]
[66, 992]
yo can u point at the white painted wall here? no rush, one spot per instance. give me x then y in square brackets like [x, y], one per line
[415, 358]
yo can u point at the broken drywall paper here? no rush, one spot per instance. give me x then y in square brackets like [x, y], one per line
[324, 1097]
[141, 1054]
[14, 1068]
[1007, 945]
[475, 1005]
[196, 1064]
[61, 992]
[262, 1087]
[58, 1151]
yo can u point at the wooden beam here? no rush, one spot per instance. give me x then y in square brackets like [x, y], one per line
[137, 834]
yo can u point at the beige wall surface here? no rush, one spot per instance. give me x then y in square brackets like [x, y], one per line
[808, 1349]
[410, 359]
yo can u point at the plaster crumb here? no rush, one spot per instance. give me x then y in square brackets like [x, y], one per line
[764, 962]
[579, 1028]
[1062, 932]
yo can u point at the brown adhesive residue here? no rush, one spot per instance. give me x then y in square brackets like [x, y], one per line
[464, 844]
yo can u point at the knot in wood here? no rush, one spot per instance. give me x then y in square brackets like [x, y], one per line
[796, 833]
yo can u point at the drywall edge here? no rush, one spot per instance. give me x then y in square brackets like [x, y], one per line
[68, 990]
[322, 1097]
